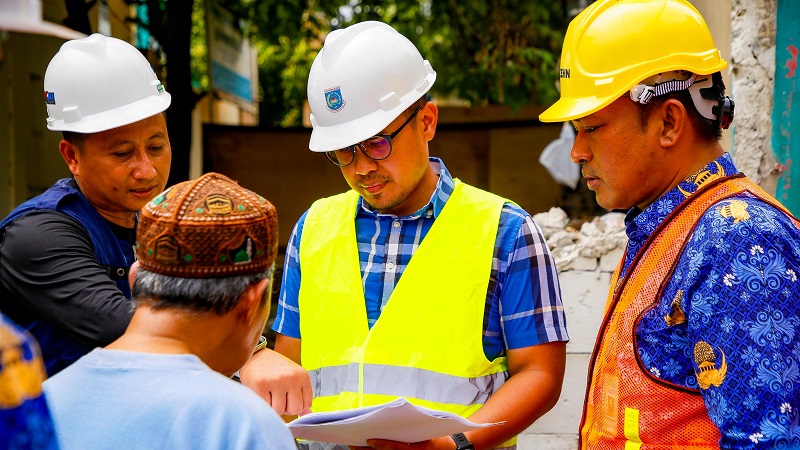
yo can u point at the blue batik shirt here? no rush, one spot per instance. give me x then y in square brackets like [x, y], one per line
[25, 421]
[523, 298]
[733, 306]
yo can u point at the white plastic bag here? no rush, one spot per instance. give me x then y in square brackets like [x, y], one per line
[555, 158]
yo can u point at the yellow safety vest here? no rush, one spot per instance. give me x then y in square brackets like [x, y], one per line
[427, 344]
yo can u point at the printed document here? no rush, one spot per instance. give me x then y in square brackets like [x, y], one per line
[397, 420]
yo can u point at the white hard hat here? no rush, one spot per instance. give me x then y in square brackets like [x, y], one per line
[99, 83]
[364, 77]
[25, 16]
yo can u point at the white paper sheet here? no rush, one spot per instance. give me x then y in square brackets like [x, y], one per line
[398, 420]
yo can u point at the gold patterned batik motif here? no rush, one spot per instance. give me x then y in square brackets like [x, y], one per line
[706, 360]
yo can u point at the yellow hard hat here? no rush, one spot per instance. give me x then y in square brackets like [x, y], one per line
[613, 45]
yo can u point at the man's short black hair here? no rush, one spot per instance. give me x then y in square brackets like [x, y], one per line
[74, 138]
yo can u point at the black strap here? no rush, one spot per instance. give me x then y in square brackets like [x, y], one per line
[116, 273]
[462, 443]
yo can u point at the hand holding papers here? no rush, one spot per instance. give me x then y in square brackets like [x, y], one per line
[398, 420]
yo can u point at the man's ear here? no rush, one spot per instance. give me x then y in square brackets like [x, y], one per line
[251, 300]
[132, 273]
[675, 120]
[70, 154]
[430, 117]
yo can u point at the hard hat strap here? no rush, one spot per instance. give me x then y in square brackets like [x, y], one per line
[717, 110]
[642, 93]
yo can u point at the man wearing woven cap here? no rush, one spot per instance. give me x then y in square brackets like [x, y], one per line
[412, 284]
[699, 345]
[65, 254]
[201, 289]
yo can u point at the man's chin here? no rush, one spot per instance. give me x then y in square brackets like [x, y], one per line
[136, 206]
[606, 203]
[380, 206]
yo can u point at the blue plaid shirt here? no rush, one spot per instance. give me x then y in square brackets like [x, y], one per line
[523, 298]
[736, 284]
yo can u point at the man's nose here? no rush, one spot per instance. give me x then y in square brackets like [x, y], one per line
[362, 163]
[580, 152]
[143, 166]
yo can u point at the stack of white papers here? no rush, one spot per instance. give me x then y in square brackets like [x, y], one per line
[398, 420]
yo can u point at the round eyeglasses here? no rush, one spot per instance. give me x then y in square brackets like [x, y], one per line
[377, 147]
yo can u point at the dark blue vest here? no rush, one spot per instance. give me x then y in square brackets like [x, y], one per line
[114, 254]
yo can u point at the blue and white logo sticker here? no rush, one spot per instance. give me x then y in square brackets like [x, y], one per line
[333, 99]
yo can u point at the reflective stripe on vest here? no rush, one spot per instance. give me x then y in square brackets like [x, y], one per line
[433, 386]
[626, 408]
[427, 344]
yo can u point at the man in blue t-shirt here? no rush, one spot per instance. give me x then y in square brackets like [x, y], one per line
[201, 289]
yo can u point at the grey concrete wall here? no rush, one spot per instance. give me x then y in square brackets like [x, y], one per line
[753, 25]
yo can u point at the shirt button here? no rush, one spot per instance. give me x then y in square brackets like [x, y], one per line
[396, 224]
[390, 266]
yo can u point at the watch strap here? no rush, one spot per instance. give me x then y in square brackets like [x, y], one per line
[462, 443]
[262, 343]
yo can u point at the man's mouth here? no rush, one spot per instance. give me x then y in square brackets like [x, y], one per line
[144, 192]
[373, 187]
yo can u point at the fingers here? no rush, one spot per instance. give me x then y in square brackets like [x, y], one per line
[278, 403]
[308, 396]
[282, 383]
[298, 402]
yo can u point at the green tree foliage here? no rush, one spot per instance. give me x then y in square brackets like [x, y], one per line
[503, 52]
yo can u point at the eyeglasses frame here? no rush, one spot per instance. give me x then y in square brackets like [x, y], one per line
[388, 137]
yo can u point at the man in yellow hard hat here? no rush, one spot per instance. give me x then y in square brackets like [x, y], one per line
[411, 284]
[700, 343]
[65, 254]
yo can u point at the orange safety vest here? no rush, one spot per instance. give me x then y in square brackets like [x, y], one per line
[627, 408]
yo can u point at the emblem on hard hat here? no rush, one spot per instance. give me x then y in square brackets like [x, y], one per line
[333, 99]
[50, 97]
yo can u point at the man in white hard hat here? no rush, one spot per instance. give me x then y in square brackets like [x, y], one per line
[699, 345]
[65, 254]
[414, 284]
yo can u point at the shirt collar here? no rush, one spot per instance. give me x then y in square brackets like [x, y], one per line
[444, 188]
[639, 224]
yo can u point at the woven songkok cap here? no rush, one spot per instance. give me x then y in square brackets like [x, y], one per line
[209, 227]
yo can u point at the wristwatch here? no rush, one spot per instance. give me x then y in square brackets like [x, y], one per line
[462, 443]
[262, 343]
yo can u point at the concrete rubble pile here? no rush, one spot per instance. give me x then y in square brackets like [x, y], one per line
[600, 241]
